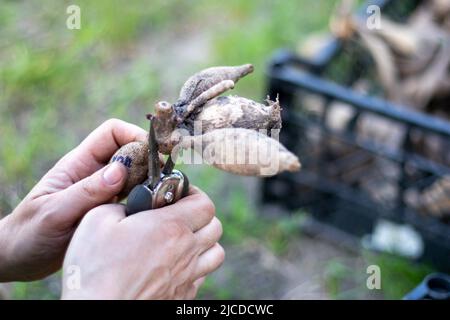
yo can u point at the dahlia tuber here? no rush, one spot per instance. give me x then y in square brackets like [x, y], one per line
[134, 156]
[238, 112]
[199, 105]
[242, 151]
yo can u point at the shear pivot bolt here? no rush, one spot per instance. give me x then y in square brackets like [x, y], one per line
[168, 197]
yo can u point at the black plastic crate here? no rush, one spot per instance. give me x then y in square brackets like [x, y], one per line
[348, 180]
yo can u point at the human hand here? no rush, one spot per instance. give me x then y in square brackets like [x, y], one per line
[34, 237]
[163, 253]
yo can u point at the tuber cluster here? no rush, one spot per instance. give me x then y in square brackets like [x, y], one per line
[232, 133]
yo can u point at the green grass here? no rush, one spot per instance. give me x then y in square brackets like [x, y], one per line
[56, 85]
[37, 290]
[398, 277]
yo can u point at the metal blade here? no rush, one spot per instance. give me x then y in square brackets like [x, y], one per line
[168, 166]
[154, 173]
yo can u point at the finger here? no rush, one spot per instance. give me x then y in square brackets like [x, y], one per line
[97, 189]
[106, 213]
[192, 289]
[196, 210]
[99, 146]
[209, 235]
[209, 261]
[198, 283]
[191, 293]
[186, 291]
[110, 136]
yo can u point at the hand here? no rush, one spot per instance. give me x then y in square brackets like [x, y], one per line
[34, 237]
[158, 254]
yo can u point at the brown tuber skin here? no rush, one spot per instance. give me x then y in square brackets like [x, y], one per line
[164, 123]
[206, 79]
[134, 156]
[238, 112]
[209, 94]
[197, 90]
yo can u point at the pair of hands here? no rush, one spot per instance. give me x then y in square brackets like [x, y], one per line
[162, 253]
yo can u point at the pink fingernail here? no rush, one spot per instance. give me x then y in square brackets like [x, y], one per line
[113, 174]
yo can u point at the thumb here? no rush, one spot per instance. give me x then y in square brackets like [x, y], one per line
[94, 190]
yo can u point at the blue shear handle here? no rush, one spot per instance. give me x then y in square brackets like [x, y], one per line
[435, 286]
[139, 199]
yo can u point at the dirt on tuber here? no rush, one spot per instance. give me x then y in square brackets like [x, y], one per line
[134, 156]
[238, 112]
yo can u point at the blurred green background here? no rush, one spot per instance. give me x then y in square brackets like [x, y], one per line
[57, 85]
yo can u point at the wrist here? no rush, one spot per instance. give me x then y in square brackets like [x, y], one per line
[6, 264]
[86, 294]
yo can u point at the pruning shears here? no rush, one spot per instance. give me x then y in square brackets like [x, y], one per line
[162, 187]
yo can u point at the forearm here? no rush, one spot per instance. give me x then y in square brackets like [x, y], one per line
[6, 264]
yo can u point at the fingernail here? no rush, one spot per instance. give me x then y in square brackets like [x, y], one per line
[114, 173]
